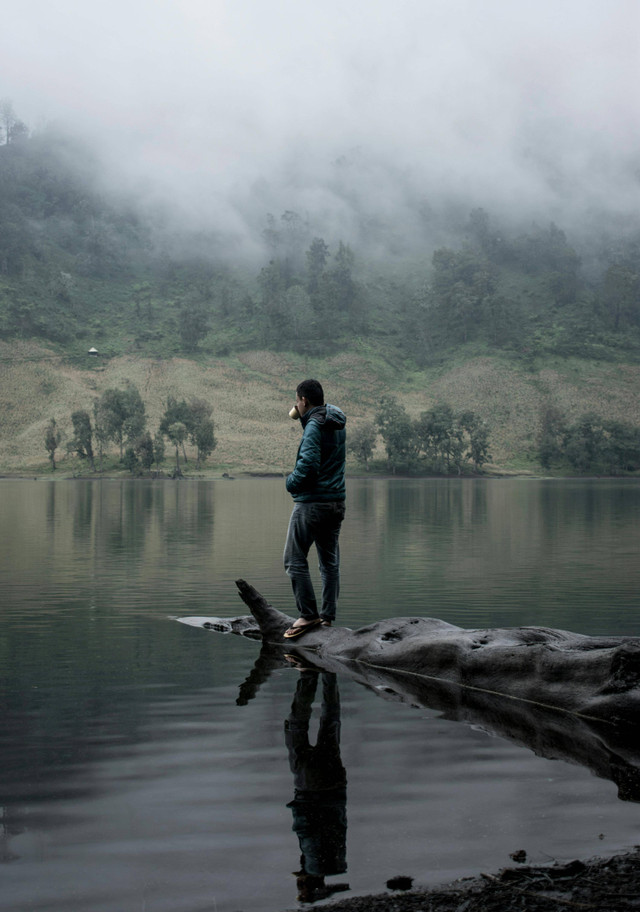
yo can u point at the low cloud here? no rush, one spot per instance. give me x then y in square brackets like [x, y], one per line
[225, 110]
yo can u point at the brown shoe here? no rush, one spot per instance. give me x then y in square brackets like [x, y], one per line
[298, 629]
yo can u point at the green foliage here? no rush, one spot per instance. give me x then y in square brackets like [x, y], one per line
[463, 283]
[193, 324]
[144, 451]
[52, 438]
[448, 439]
[475, 432]
[131, 461]
[120, 415]
[316, 257]
[82, 442]
[397, 432]
[621, 295]
[100, 429]
[552, 431]
[177, 433]
[273, 288]
[439, 441]
[158, 449]
[307, 309]
[201, 429]
[195, 417]
[176, 410]
[176, 413]
[591, 444]
[204, 439]
[361, 442]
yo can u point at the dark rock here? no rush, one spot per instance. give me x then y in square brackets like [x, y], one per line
[400, 883]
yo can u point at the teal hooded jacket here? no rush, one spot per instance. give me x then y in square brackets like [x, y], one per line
[318, 476]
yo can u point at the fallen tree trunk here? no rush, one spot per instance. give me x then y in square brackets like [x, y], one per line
[563, 695]
[594, 677]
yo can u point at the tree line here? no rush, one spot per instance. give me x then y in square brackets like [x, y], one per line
[443, 441]
[590, 444]
[440, 441]
[119, 417]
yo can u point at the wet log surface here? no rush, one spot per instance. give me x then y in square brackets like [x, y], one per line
[597, 678]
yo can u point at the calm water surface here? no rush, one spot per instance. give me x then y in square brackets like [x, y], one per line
[143, 762]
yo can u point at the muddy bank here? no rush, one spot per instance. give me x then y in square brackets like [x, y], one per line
[603, 884]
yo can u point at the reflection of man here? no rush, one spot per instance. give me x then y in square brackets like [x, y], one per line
[318, 488]
[320, 799]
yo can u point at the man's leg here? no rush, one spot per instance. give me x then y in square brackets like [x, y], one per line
[328, 548]
[296, 726]
[296, 565]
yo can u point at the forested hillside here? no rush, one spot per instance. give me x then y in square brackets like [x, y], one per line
[82, 263]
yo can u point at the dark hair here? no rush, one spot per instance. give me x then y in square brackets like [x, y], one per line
[311, 390]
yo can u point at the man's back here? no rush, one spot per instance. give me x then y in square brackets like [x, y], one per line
[318, 476]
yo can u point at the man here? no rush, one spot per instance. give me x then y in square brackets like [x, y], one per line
[318, 488]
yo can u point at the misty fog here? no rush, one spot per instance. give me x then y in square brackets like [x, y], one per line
[360, 114]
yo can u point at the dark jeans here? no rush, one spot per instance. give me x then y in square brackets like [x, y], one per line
[319, 524]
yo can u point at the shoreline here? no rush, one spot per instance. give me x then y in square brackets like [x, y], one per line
[24, 475]
[610, 883]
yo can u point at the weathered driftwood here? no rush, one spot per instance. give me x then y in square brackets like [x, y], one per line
[563, 695]
[596, 677]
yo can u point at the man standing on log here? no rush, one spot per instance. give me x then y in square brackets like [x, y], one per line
[317, 486]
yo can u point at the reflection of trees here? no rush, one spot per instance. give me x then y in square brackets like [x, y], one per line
[140, 520]
[83, 512]
[51, 507]
[81, 552]
[188, 512]
[534, 547]
[125, 522]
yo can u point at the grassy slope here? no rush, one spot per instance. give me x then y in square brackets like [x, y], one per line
[252, 392]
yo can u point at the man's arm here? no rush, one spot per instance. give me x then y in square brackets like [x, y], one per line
[308, 462]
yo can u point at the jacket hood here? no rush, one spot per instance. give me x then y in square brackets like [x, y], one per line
[329, 416]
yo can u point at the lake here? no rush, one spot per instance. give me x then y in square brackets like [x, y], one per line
[144, 763]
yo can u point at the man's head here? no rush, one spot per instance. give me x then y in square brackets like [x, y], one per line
[309, 394]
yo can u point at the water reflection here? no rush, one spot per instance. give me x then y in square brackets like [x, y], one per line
[107, 734]
[319, 805]
[10, 827]
[611, 751]
[529, 552]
